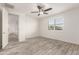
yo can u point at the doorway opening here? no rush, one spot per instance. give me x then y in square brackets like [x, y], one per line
[13, 28]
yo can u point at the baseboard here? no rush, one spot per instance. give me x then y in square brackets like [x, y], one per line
[58, 40]
[51, 39]
[33, 37]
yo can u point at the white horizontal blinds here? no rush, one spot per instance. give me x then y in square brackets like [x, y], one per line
[51, 24]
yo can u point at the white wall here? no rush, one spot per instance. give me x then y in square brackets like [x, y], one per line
[28, 27]
[71, 27]
[31, 27]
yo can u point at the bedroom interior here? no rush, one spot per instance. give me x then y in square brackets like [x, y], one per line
[39, 29]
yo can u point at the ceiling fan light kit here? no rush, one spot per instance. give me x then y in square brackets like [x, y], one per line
[41, 13]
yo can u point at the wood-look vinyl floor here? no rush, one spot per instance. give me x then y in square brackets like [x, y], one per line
[41, 46]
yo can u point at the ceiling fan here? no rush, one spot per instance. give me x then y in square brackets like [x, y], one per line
[41, 10]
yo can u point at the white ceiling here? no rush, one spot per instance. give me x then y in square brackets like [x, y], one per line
[57, 8]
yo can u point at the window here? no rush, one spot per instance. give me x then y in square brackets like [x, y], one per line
[56, 23]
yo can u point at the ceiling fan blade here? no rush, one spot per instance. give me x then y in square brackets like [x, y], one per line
[38, 14]
[48, 9]
[45, 13]
[34, 12]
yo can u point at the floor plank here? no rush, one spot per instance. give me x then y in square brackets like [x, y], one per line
[41, 46]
